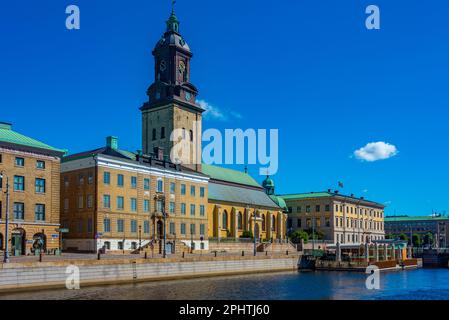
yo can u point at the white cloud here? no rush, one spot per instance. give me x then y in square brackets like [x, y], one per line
[375, 151]
[213, 112]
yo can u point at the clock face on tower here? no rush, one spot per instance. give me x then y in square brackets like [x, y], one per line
[188, 96]
[182, 67]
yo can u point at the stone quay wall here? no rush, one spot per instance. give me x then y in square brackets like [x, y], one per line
[43, 275]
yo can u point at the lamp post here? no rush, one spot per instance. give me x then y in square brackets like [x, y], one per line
[6, 254]
[140, 238]
[255, 245]
[161, 197]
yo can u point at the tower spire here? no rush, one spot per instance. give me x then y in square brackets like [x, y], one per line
[173, 22]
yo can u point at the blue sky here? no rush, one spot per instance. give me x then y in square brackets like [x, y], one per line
[308, 68]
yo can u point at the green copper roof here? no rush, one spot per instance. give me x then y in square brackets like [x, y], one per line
[314, 195]
[414, 218]
[279, 201]
[306, 195]
[10, 136]
[229, 175]
[241, 195]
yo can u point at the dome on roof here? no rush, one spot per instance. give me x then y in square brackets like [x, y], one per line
[172, 37]
[268, 182]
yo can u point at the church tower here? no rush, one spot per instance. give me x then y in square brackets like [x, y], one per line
[172, 106]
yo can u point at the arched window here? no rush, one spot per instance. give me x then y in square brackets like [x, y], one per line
[240, 221]
[107, 245]
[191, 135]
[154, 134]
[225, 220]
[263, 222]
[273, 223]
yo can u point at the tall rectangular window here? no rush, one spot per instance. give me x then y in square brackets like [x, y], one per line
[80, 179]
[80, 202]
[146, 227]
[120, 203]
[202, 211]
[133, 204]
[90, 177]
[120, 180]
[317, 208]
[39, 212]
[89, 225]
[183, 189]
[172, 187]
[39, 185]
[107, 225]
[107, 177]
[120, 225]
[183, 228]
[40, 164]
[172, 228]
[19, 211]
[66, 204]
[19, 183]
[146, 205]
[327, 208]
[172, 207]
[133, 226]
[202, 192]
[192, 229]
[202, 229]
[183, 209]
[20, 162]
[90, 201]
[159, 206]
[146, 184]
[192, 210]
[133, 182]
[308, 209]
[192, 190]
[107, 201]
[160, 185]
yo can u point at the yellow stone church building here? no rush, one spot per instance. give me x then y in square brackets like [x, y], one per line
[117, 200]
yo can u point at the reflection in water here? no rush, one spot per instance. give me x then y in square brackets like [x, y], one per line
[420, 284]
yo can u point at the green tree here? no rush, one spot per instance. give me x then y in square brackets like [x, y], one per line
[247, 234]
[319, 235]
[428, 239]
[416, 240]
[297, 235]
[403, 236]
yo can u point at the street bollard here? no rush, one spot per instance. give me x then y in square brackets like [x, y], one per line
[40, 256]
[243, 253]
[215, 254]
[99, 256]
[183, 254]
[287, 252]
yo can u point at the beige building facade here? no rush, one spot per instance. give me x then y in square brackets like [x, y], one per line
[31, 168]
[115, 200]
[343, 219]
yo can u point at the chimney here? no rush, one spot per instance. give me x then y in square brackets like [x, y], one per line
[362, 198]
[112, 142]
[329, 190]
[159, 152]
[5, 126]
[336, 191]
[352, 195]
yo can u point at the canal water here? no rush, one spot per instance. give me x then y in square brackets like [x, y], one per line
[420, 284]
